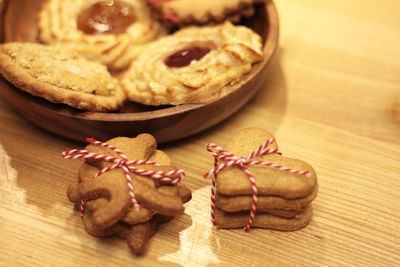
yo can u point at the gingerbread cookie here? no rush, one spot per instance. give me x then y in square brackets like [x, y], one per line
[263, 220]
[112, 31]
[125, 185]
[192, 12]
[265, 203]
[254, 185]
[138, 235]
[60, 76]
[87, 172]
[193, 65]
[270, 181]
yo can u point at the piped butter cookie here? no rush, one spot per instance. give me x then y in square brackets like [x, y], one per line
[111, 31]
[60, 76]
[193, 65]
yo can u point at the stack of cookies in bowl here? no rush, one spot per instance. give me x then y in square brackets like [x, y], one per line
[97, 55]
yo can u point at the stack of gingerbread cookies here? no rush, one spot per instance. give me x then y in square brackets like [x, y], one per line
[283, 197]
[104, 196]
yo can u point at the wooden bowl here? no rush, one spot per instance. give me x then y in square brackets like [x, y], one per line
[166, 123]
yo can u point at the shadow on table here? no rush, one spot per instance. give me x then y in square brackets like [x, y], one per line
[165, 241]
[264, 247]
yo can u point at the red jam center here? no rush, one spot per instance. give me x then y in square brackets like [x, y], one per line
[106, 17]
[183, 57]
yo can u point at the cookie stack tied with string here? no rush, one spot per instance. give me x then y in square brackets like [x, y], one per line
[126, 187]
[255, 186]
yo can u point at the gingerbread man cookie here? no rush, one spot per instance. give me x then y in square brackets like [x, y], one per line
[125, 185]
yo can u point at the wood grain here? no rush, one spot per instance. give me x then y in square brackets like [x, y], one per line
[2, 7]
[331, 98]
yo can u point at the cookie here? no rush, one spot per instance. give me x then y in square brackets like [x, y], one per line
[133, 216]
[254, 185]
[113, 32]
[91, 229]
[60, 76]
[112, 185]
[108, 192]
[270, 181]
[265, 203]
[288, 214]
[138, 235]
[142, 146]
[193, 65]
[191, 12]
[263, 220]
[87, 172]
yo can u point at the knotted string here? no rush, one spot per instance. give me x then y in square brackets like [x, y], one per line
[128, 166]
[243, 162]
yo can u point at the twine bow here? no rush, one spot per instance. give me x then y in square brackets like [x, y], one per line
[128, 166]
[243, 162]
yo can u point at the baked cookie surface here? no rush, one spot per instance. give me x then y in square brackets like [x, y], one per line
[263, 220]
[60, 76]
[193, 65]
[270, 181]
[254, 185]
[113, 32]
[108, 198]
[194, 12]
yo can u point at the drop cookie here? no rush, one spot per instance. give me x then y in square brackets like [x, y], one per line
[60, 76]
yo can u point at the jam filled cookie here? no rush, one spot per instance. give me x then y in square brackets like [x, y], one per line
[193, 65]
[112, 31]
[205, 12]
[60, 76]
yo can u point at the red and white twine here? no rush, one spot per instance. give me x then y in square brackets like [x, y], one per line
[242, 162]
[128, 166]
[167, 16]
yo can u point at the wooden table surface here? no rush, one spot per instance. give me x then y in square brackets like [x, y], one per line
[332, 98]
